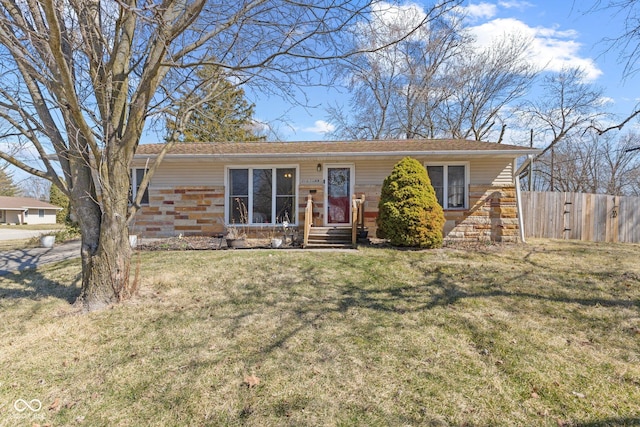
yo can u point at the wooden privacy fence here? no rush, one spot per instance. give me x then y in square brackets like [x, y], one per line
[581, 216]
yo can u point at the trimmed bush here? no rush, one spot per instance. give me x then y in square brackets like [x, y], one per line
[408, 212]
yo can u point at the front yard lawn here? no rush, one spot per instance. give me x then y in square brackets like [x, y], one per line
[541, 334]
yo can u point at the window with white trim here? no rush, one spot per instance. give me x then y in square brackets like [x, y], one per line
[41, 213]
[261, 195]
[450, 183]
[136, 178]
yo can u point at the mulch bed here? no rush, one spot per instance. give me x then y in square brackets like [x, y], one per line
[196, 243]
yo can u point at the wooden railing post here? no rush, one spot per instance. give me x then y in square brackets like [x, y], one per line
[361, 212]
[354, 220]
[308, 219]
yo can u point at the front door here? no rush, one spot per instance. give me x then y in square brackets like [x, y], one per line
[339, 187]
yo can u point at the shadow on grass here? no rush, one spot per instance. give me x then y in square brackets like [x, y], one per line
[612, 422]
[33, 284]
[441, 290]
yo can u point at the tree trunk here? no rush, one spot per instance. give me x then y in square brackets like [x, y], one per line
[105, 251]
[105, 271]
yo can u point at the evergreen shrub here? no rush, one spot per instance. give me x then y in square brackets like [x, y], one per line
[408, 211]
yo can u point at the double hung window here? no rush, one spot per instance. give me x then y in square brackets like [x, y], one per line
[136, 178]
[450, 184]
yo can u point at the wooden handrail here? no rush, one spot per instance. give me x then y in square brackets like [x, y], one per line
[357, 217]
[354, 220]
[308, 219]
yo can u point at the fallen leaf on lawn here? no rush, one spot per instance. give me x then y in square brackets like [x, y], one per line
[535, 395]
[55, 406]
[251, 380]
[578, 395]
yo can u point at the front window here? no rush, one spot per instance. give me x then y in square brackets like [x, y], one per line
[136, 178]
[261, 196]
[41, 213]
[450, 185]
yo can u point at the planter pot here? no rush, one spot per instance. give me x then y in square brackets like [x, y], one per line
[363, 234]
[47, 241]
[236, 243]
[276, 243]
[133, 241]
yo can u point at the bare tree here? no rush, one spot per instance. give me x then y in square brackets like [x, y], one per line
[396, 90]
[626, 42]
[80, 79]
[591, 164]
[33, 186]
[434, 84]
[567, 107]
[483, 84]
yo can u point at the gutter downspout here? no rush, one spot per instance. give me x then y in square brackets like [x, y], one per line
[519, 209]
[522, 167]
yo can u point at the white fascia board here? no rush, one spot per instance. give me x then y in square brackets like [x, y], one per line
[465, 153]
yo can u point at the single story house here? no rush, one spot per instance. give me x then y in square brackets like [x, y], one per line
[201, 188]
[26, 210]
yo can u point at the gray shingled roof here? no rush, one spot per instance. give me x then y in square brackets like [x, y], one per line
[328, 148]
[22, 203]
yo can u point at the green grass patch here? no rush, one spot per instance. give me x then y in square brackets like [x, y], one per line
[544, 334]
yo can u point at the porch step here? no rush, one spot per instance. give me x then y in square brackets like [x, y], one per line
[329, 237]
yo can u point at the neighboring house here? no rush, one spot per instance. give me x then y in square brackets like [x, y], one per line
[200, 188]
[25, 210]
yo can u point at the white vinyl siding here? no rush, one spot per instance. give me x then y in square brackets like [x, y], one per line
[491, 171]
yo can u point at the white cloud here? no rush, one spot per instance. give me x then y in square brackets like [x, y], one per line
[320, 126]
[514, 4]
[605, 100]
[551, 49]
[479, 11]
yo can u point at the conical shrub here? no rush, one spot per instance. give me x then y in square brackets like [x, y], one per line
[408, 211]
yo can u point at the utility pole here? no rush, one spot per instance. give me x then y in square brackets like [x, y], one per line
[552, 158]
[531, 162]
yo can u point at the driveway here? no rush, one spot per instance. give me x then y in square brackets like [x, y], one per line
[23, 259]
[17, 234]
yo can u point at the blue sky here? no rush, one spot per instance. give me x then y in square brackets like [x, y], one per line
[563, 35]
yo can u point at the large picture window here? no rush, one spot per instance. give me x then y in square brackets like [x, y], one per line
[450, 184]
[261, 195]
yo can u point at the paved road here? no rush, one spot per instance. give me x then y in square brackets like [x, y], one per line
[17, 234]
[24, 259]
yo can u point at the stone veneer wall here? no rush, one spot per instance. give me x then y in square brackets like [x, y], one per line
[181, 210]
[200, 211]
[493, 215]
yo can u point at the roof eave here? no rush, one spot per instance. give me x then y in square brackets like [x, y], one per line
[457, 153]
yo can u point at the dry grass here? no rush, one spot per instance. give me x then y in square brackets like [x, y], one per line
[544, 334]
[11, 245]
[32, 226]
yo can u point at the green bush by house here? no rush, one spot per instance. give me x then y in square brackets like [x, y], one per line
[408, 211]
[58, 198]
